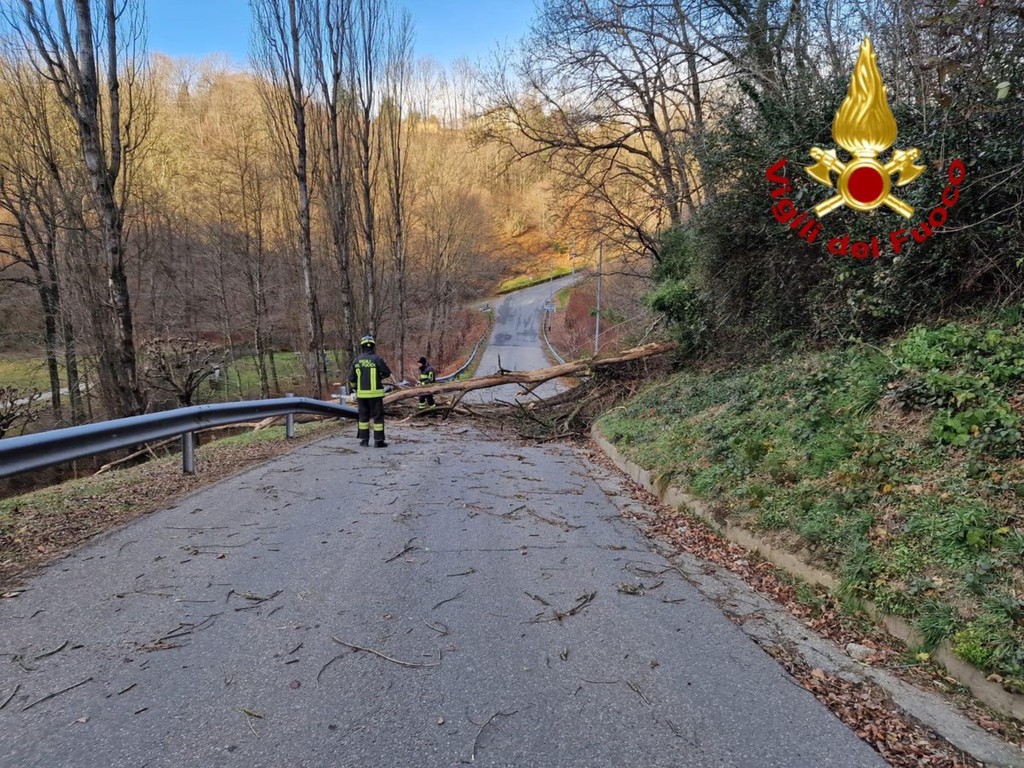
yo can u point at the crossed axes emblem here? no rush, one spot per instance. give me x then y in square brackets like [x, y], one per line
[864, 183]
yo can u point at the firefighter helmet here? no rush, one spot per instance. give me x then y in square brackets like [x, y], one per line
[367, 342]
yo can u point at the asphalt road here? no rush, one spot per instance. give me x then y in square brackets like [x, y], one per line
[516, 343]
[509, 616]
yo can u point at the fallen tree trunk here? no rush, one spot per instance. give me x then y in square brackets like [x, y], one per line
[534, 377]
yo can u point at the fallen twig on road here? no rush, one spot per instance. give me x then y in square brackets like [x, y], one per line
[249, 715]
[49, 696]
[448, 600]
[558, 523]
[633, 686]
[386, 657]
[13, 694]
[443, 630]
[581, 602]
[325, 666]
[187, 628]
[257, 600]
[51, 653]
[472, 754]
[408, 548]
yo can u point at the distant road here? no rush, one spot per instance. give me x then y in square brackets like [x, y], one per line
[45, 397]
[516, 340]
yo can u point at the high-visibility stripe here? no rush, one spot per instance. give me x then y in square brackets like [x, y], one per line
[367, 384]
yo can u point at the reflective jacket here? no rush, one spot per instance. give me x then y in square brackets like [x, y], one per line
[367, 374]
[427, 375]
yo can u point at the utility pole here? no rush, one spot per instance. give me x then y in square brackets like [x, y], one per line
[597, 325]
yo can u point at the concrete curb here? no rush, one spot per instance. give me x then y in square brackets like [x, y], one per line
[990, 693]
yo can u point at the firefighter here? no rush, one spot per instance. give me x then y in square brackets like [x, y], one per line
[366, 379]
[427, 377]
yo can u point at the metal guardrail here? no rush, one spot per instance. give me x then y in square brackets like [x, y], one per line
[29, 452]
[57, 446]
[544, 335]
[468, 363]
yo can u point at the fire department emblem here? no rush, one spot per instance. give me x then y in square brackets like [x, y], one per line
[865, 127]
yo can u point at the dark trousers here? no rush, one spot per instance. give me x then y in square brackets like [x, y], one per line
[371, 410]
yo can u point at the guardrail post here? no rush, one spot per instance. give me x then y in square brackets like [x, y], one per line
[289, 422]
[188, 454]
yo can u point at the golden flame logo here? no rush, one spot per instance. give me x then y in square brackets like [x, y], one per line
[865, 127]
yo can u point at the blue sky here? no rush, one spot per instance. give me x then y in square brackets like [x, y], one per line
[445, 29]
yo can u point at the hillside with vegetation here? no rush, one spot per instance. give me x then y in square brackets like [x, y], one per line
[863, 411]
[899, 467]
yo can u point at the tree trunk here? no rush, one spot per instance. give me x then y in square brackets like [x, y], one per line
[117, 357]
[47, 298]
[536, 376]
[73, 378]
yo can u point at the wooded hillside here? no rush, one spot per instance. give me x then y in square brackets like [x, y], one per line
[160, 215]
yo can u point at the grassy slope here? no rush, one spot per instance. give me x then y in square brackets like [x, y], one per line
[527, 281]
[899, 468]
[239, 379]
[530, 258]
[24, 372]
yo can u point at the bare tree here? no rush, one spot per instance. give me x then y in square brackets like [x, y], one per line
[465, 86]
[281, 40]
[367, 46]
[252, 182]
[35, 195]
[610, 92]
[330, 33]
[396, 125]
[16, 409]
[66, 43]
[179, 366]
[450, 232]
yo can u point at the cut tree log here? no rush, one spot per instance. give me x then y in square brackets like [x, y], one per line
[534, 377]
